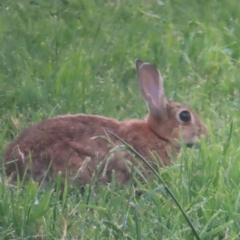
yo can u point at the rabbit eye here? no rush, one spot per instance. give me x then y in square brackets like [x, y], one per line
[185, 116]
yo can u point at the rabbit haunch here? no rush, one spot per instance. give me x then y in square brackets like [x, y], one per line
[64, 143]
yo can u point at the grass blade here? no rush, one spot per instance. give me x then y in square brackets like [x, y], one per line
[165, 186]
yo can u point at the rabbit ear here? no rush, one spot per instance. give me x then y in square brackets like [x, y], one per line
[151, 85]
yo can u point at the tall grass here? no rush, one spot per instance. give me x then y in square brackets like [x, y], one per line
[72, 56]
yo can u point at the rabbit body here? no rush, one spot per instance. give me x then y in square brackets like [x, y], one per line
[65, 141]
[66, 144]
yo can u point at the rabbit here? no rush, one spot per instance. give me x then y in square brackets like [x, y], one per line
[69, 143]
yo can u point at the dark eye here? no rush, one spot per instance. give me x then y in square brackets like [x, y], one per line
[185, 116]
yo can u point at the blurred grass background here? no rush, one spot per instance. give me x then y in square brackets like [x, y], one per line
[78, 56]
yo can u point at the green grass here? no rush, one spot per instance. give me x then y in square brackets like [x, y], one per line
[73, 56]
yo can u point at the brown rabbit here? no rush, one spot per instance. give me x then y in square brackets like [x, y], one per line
[65, 143]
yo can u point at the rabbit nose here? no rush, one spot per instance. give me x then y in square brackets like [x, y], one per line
[203, 131]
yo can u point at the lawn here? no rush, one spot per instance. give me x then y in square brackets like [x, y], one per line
[78, 56]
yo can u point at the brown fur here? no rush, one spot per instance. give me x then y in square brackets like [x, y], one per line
[63, 143]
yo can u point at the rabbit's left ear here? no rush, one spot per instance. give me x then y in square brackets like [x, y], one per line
[151, 85]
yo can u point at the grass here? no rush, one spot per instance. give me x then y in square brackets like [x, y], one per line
[74, 56]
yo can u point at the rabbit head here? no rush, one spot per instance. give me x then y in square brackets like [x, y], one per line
[171, 121]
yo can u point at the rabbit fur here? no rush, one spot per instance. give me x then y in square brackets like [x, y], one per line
[66, 144]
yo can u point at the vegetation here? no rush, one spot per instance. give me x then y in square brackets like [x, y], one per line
[72, 56]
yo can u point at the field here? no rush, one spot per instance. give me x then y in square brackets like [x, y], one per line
[78, 56]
